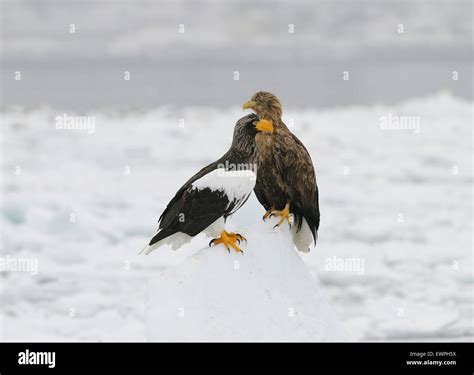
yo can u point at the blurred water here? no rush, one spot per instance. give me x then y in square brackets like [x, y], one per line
[187, 52]
[302, 85]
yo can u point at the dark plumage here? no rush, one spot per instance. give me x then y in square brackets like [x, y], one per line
[285, 171]
[196, 206]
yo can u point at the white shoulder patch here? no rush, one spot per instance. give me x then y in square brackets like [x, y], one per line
[235, 184]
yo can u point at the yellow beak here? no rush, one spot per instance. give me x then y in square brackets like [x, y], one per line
[265, 126]
[249, 104]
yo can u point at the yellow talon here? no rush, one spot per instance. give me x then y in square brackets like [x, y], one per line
[237, 236]
[284, 214]
[229, 240]
[268, 213]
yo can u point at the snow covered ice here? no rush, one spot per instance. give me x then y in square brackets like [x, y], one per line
[267, 294]
[83, 204]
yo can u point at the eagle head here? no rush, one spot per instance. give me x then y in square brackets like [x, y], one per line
[265, 104]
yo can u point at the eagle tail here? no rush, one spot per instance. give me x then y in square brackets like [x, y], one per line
[303, 235]
[164, 237]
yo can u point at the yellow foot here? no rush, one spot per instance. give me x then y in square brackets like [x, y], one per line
[264, 126]
[229, 240]
[268, 213]
[284, 214]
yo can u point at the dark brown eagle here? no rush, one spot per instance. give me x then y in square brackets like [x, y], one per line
[209, 197]
[286, 181]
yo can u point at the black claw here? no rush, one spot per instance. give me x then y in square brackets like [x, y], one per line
[271, 215]
[276, 225]
[211, 242]
[242, 252]
[241, 238]
[228, 250]
[238, 240]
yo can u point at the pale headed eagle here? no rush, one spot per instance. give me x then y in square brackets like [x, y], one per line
[208, 198]
[286, 181]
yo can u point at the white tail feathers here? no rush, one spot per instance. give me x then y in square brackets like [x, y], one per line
[303, 239]
[175, 240]
[148, 249]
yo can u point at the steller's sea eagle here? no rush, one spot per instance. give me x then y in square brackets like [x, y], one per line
[286, 181]
[205, 201]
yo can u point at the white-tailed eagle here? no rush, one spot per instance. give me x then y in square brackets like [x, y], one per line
[286, 181]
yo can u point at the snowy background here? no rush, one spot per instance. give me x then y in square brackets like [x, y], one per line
[399, 202]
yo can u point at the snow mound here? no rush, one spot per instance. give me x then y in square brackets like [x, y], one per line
[267, 294]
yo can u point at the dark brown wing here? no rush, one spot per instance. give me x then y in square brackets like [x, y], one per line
[192, 212]
[295, 167]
